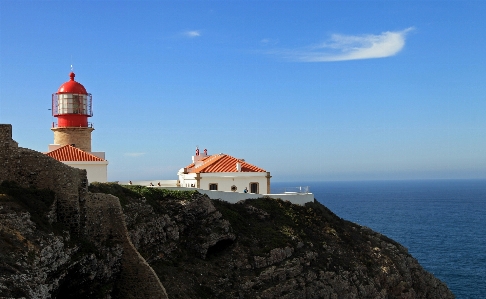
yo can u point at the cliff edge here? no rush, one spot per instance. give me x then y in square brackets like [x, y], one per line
[265, 248]
[60, 240]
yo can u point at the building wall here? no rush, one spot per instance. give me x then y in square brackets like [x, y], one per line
[225, 183]
[188, 179]
[80, 137]
[96, 171]
[225, 180]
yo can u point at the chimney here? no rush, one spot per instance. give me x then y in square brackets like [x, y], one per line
[238, 166]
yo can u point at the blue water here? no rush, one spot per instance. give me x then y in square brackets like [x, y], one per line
[441, 222]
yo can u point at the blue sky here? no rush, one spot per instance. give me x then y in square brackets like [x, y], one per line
[308, 90]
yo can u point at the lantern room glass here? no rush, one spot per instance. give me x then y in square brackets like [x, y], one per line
[69, 103]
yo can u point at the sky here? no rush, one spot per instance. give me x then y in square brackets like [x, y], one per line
[308, 90]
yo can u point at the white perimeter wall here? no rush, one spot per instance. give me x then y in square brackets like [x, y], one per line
[234, 197]
[97, 171]
[163, 183]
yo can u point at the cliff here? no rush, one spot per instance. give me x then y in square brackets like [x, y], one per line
[60, 240]
[265, 248]
[57, 240]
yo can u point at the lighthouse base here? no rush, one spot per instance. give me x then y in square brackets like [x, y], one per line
[79, 137]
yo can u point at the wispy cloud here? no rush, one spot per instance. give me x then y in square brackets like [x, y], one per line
[192, 33]
[268, 41]
[134, 154]
[352, 47]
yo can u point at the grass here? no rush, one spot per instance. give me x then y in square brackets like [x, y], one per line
[260, 234]
[129, 192]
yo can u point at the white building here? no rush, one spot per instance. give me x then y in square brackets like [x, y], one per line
[224, 173]
[94, 163]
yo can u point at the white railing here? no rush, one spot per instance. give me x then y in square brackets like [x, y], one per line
[291, 190]
[301, 189]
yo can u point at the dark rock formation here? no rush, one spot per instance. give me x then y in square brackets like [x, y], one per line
[265, 248]
[58, 240]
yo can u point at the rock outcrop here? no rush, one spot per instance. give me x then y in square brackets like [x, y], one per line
[60, 240]
[265, 248]
[57, 240]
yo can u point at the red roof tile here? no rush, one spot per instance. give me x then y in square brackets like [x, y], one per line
[71, 153]
[222, 163]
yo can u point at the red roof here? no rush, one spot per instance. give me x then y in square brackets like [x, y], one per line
[72, 86]
[71, 153]
[222, 163]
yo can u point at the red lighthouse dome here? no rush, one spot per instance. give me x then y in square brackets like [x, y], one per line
[72, 86]
[71, 104]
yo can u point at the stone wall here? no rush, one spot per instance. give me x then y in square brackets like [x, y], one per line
[80, 137]
[97, 217]
[6, 136]
[30, 168]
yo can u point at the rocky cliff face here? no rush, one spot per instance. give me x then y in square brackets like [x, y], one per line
[265, 248]
[40, 259]
[57, 240]
[199, 248]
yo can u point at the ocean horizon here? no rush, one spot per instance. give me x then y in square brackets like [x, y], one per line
[440, 222]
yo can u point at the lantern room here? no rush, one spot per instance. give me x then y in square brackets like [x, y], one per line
[71, 104]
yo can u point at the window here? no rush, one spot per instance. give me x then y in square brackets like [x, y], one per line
[213, 186]
[68, 103]
[253, 187]
[76, 104]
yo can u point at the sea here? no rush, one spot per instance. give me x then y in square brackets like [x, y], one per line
[442, 223]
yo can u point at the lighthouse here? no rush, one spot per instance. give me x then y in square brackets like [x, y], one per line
[72, 105]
